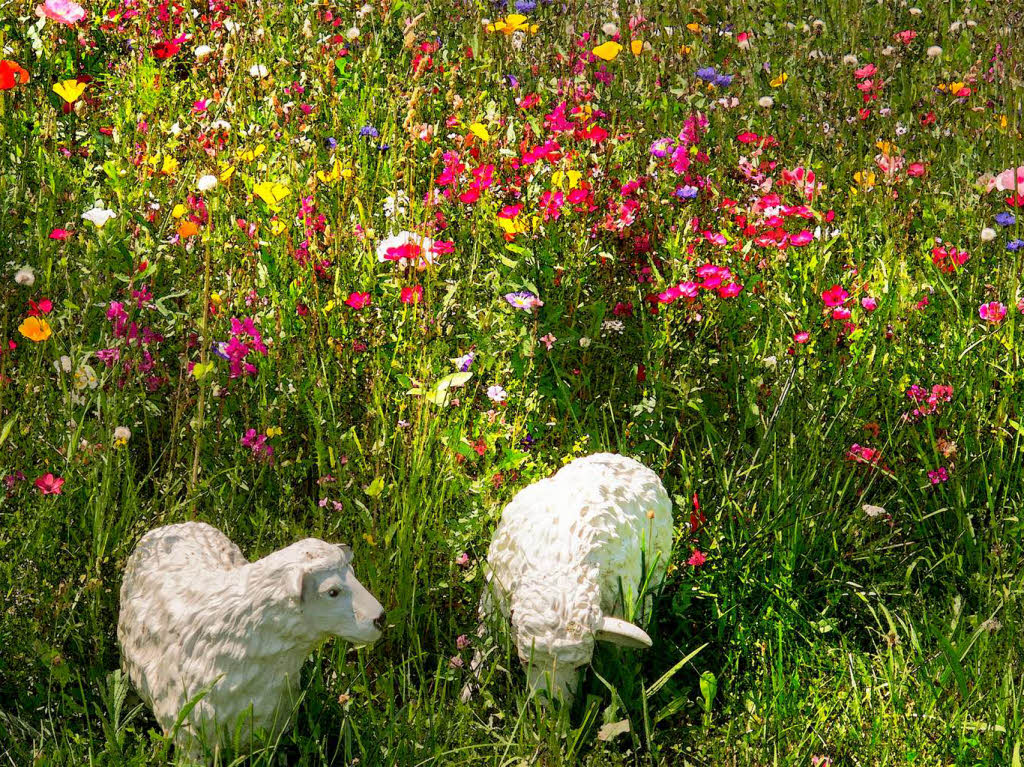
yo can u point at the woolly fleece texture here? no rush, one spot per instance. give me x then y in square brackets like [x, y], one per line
[559, 554]
[195, 612]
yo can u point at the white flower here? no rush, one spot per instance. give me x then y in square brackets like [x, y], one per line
[497, 394]
[202, 51]
[873, 511]
[610, 28]
[25, 276]
[122, 434]
[206, 183]
[396, 204]
[915, 11]
[888, 50]
[258, 70]
[352, 33]
[366, 10]
[934, 52]
[988, 234]
[99, 216]
[850, 60]
[86, 376]
[766, 101]
[584, 342]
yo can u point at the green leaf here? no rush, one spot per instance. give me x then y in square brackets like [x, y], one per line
[376, 487]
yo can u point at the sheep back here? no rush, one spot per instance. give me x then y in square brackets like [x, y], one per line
[593, 513]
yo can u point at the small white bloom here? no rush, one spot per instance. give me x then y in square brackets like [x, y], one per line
[915, 11]
[934, 52]
[202, 51]
[585, 342]
[873, 511]
[258, 71]
[850, 60]
[988, 234]
[99, 216]
[610, 28]
[352, 33]
[888, 50]
[206, 183]
[122, 434]
[766, 101]
[25, 276]
[497, 394]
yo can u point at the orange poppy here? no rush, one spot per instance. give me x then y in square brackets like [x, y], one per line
[35, 329]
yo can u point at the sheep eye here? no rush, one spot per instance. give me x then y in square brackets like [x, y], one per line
[333, 592]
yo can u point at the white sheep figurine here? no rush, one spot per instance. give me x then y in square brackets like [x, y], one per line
[195, 612]
[567, 563]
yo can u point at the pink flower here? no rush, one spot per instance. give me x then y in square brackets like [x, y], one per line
[462, 560]
[915, 169]
[905, 36]
[938, 476]
[49, 484]
[697, 558]
[835, 295]
[462, 642]
[548, 340]
[993, 312]
[869, 303]
[1008, 180]
[59, 234]
[358, 300]
[412, 295]
[801, 337]
[61, 11]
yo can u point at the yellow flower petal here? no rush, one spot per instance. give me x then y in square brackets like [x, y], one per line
[636, 47]
[607, 51]
[478, 130]
[780, 80]
[69, 90]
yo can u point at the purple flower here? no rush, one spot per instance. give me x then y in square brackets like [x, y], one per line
[1014, 245]
[687, 192]
[1005, 219]
[707, 74]
[723, 81]
[369, 131]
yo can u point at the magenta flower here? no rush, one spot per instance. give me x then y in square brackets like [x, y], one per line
[61, 11]
[993, 312]
[835, 295]
[697, 558]
[49, 484]
[358, 300]
[938, 476]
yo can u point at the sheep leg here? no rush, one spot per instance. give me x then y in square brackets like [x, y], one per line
[470, 688]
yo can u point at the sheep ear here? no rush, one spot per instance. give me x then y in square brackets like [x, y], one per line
[623, 633]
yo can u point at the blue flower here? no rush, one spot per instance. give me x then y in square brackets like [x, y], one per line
[331, 142]
[369, 130]
[707, 74]
[687, 192]
[723, 81]
[526, 6]
[1014, 245]
[1005, 219]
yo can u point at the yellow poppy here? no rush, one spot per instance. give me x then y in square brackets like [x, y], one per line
[607, 51]
[636, 46]
[478, 130]
[695, 28]
[69, 90]
[272, 194]
[179, 210]
[170, 166]
[332, 176]
[778, 82]
[514, 22]
[35, 329]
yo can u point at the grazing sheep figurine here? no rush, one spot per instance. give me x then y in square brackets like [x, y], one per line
[568, 561]
[195, 612]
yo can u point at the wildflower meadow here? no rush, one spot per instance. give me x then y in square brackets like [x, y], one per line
[361, 272]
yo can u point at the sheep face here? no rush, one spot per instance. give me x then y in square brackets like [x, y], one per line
[556, 617]
[334, 602]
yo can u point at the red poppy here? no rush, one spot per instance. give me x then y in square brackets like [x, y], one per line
[11, 74]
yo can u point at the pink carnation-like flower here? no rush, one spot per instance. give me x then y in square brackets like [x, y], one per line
[61, 11]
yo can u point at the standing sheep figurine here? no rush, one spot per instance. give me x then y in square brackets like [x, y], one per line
[568, 561]
[195, 612]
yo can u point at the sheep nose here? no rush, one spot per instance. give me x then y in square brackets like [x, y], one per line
[380, 621]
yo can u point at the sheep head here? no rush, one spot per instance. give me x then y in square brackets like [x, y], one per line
[556, 617]
[332, 602]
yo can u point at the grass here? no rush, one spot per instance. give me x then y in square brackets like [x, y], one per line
[854, 608]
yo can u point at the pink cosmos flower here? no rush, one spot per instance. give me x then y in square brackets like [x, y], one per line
[49, 484]
[993, 312]
[61, 11]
